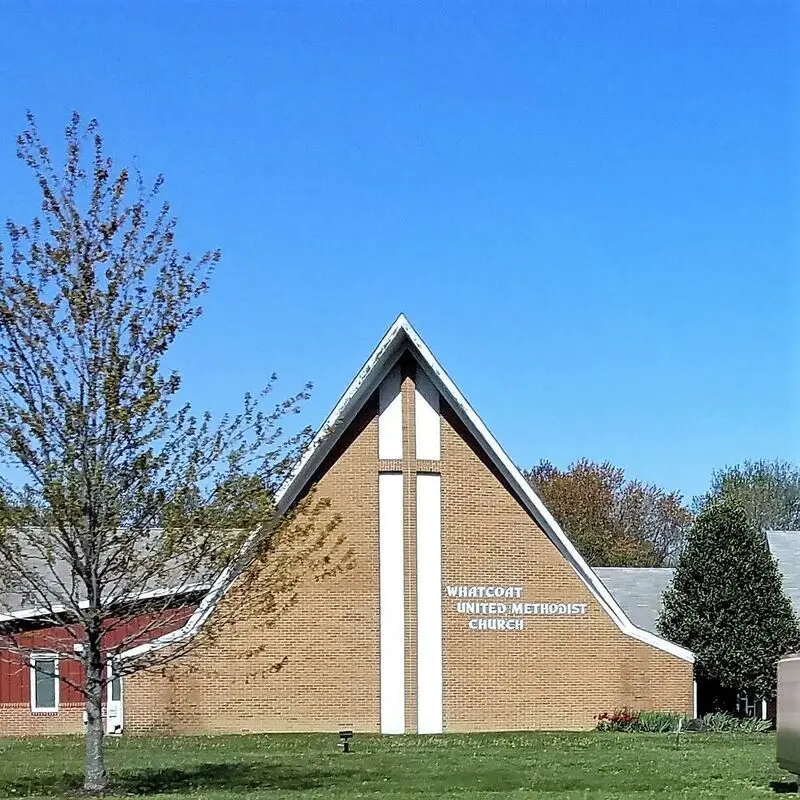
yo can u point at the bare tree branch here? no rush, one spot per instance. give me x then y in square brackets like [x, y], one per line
[121, 505]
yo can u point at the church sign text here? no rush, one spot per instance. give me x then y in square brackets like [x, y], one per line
[498, 608]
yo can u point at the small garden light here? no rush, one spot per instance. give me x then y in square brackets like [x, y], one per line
[345, 736]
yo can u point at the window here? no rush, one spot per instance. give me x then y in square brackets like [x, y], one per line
[745, 705]
[116, 689]
[44, 682]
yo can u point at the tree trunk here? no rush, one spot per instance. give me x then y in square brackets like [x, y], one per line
[95, 775]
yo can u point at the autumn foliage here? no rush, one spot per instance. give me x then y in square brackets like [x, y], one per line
[613, 521]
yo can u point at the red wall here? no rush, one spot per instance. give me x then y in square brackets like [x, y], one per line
[15, 669]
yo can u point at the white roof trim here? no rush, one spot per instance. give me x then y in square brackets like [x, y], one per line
[335, 423]
[399, 336]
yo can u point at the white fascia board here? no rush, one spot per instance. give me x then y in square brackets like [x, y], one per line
[162, 641]
[350, 403]
[354, 397]
[200, 615]
[535, 506]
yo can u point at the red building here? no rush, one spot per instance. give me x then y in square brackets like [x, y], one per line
[38, 677]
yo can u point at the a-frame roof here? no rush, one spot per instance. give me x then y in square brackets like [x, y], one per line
[402, 337]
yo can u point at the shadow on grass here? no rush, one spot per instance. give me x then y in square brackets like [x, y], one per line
[784, 787]
[233, 778]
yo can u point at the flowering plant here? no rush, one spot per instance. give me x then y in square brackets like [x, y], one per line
[621, 719]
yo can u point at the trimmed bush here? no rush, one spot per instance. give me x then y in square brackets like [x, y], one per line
[727, 605]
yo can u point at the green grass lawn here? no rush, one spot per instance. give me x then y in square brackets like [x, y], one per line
[535, 765]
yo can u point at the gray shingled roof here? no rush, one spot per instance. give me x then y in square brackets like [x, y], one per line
[57, 582]
[785, 546]
[640, 590]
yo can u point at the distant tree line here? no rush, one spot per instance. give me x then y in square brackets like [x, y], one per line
[726, 602]
[619, 522]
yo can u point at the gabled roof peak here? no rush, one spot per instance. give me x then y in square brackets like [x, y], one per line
[400, 336]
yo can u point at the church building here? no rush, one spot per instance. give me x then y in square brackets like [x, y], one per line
[466, 607]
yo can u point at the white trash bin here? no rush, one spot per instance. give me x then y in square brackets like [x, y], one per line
[788, 713]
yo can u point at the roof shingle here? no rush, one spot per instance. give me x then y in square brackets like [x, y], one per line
[640, 590]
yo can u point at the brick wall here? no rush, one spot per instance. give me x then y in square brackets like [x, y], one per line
[556, 673]
[329, 638]
[410, 539]
[559, 672]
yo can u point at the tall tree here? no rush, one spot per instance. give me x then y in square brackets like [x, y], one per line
[121, 503]
[769, 491]
[727, 604]
[613, 521]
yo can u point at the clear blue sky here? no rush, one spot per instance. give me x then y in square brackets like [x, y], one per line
[586, 209]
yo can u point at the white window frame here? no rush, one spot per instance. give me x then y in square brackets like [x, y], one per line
[44, 657]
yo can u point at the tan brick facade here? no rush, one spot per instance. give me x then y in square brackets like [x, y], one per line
[559, 672]
[330, 637]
